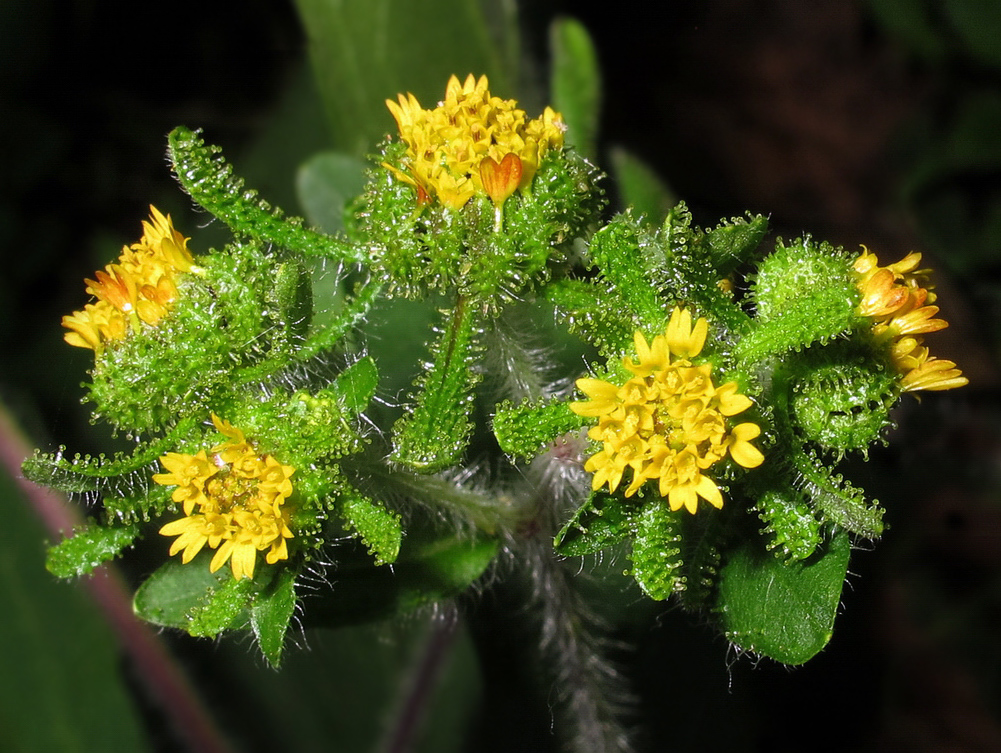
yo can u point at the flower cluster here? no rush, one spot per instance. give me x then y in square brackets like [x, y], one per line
[472, 143]
[668, 422]
[238, 494]
[138, 289]
[895, 298]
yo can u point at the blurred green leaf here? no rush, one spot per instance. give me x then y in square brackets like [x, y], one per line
[913, 24]
[782, 610]
[62, 688]
[325, 184]
[640, 187]
[979, 24]
[576, 84]
[364, 53]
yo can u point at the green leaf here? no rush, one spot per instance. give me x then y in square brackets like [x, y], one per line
[782, 610]
[434, 434]
[178, 595]
[576, 84]
[364, 53]
[326, 184]
[356, 384]
[426, 572]
[379, 528]
[656, 550]
[640, 187]
[271, 613]
[88, 548]
[601, 522]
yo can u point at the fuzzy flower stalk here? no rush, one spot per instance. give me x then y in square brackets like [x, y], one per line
[668, 422]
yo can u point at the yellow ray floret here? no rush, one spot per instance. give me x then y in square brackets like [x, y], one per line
[233, 501]
[139, 288]
[668, 422]
[897, 298]
[471, 143]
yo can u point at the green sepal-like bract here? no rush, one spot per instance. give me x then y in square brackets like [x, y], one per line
[119, 475]
[656, 550]
[433, 434]
[803, 293]
[379, 528]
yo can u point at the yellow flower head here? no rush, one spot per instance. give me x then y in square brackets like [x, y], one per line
[472, 143]
[896, 299]
[139, 288]
[232, 502]
[668, 422]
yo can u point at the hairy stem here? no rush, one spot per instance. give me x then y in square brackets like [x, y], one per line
[589, 694]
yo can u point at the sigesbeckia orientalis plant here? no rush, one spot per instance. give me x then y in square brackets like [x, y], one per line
[725, 381]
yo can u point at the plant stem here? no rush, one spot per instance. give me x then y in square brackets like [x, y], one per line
[418, 693]
[589, 692]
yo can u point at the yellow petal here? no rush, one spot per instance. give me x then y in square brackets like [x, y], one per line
[709, 492]
[732, 402]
